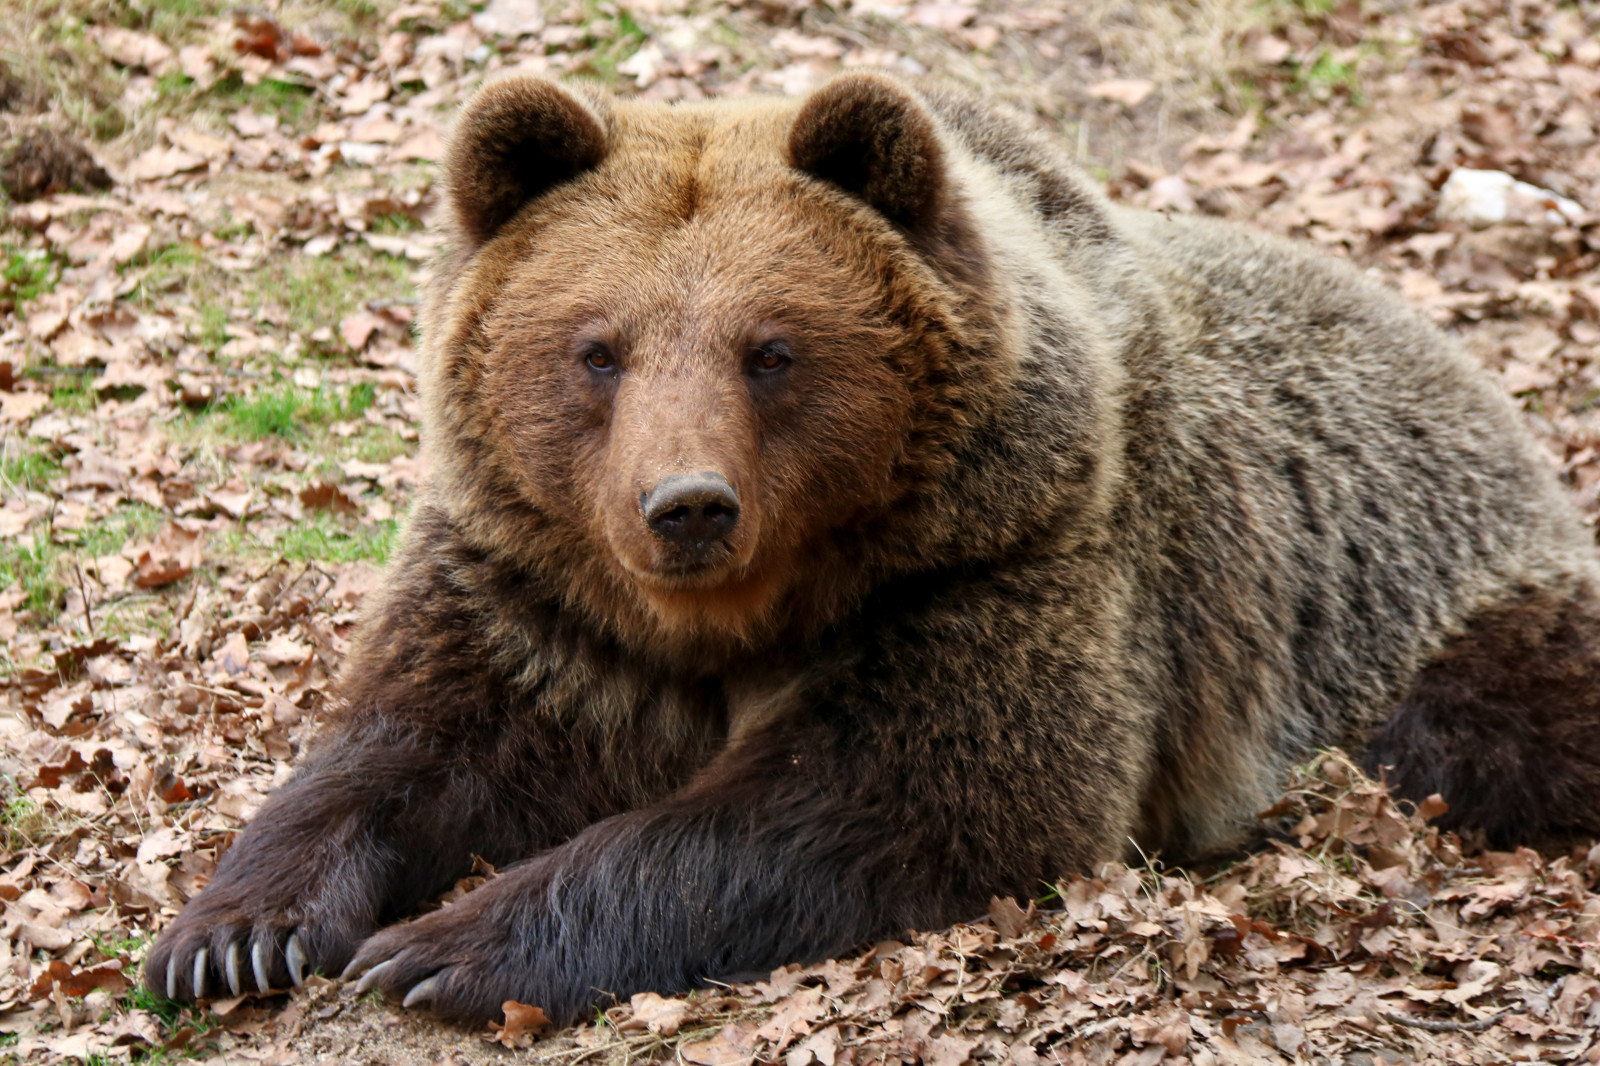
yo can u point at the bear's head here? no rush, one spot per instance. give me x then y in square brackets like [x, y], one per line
[688, 362]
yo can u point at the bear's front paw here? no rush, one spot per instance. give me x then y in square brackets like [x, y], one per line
[460, 963]
[226, 946]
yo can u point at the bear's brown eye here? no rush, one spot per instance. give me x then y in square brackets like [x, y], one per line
[599, 357]
[770, 357]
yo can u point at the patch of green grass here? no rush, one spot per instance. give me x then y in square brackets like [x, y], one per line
[31, 566]
[130, 947]
[379, 444]
[22, 821]
[617, 36]
[211, 326]
[167, 19]
[395, 223]
[286, 411]
[318, 291]
[77, 396]
[290, 101]
[1326, 75]
[360, 10]
[1311, 8]
[129, 522]
[323, 539]
[174, 85]
[30, 469]
[27, 273]
[174, 267]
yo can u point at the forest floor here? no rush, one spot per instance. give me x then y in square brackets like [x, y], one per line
[214, 225]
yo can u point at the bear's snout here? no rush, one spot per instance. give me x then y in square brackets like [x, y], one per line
[693, 512]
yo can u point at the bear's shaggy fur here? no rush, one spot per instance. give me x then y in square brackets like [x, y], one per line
[840, 514]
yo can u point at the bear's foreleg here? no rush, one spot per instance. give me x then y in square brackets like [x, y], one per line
[911, 790]
[365, 828]
[434, 756]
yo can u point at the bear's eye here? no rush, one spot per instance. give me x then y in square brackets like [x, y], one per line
[598, 357]
[769, 358]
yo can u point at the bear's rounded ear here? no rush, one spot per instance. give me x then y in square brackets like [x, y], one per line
[517, 138]
[867, 134]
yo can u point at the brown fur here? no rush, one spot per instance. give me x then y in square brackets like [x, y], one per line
[1058, 526]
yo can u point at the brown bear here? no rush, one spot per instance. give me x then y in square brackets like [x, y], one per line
[840, 514]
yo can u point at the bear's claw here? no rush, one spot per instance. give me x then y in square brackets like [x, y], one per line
[422, 992]
[370, 979]
[224, 958]
[294, 957]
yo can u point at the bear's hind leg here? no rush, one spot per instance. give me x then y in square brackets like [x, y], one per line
[1504, 721]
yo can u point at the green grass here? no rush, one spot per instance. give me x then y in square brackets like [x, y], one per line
[290, 101]
[312, 291]
[76, 397]
[318, 291]
[211, 326]
[322, 539]
[616, 36]
[28, 273]
[30, 470]
[167, 19]
[286, 411]
[379, 444]
[22, 821]
[395, 223]
[31, 566]
[34, 564]
[129, 522]
[129, 948]
[1324, 76]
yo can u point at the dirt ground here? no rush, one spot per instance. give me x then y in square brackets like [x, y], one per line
[215, 223]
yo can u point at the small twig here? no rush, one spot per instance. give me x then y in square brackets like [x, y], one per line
[83, 590]
[1431, 1026]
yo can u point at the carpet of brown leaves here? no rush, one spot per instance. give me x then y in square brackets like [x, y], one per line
[208, 427]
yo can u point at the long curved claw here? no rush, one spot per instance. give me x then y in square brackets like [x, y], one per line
[198, 983]
[422, 992]
[372, 977]
[230, 966]
[172, 979]
[294, 957]
[258, 962]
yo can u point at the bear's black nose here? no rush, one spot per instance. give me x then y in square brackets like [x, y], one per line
[692, 510]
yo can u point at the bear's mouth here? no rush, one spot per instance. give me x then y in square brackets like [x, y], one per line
[727, 598]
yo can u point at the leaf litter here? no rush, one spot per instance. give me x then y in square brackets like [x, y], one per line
[208, 432]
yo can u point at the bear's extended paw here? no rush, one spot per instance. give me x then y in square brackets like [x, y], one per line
[458, 963]
[219, 946]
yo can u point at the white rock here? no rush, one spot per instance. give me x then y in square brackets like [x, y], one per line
[1481, 198]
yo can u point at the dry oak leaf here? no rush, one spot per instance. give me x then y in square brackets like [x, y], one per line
[358, 328]
[1129, 92]
[21, 406]
[326, 496]
[656, 1013]
[107, 975]
[171, 557]
[1010, 919]
[523, 1023]
[163, 163]
[129, 48]
[733, 1046]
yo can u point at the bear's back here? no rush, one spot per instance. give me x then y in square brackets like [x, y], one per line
[1315, 486]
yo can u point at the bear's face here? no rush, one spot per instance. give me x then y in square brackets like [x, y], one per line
[700, 402]
[692, 360]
